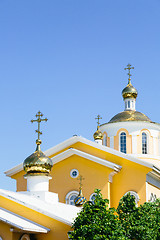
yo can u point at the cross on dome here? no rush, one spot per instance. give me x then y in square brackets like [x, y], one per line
[39, 120]
[98, 118]
[129, 74]
[80, 181]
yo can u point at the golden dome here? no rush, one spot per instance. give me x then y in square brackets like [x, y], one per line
[130, 115]
[37, 163]
[98, 134]
[129, 91]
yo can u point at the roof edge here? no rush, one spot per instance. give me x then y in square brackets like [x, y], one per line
[74, 140]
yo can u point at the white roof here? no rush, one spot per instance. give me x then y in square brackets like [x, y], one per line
[20, 222]
[76, 139]
[59, 211]
[72, 151]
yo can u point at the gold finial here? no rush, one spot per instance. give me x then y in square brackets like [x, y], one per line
[129, 74]
[98, 117]
[39, 120]
[80, 200]
[80, 181]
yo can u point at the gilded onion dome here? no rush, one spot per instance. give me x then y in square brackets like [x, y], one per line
[129, 116]
[129, 94]
[98, 134]
[129, 91]
[38, 163]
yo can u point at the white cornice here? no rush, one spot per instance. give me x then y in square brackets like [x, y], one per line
[76, 139]
[61, 212]
[72, 151]
[20, 222]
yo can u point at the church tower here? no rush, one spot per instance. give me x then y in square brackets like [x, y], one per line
[131, 131]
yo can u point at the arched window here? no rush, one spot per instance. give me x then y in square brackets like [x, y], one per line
[104, 140]
[71, 196]
[144, 143]
[25, 237]
[123, 142]
[133, 193]
[92, 197]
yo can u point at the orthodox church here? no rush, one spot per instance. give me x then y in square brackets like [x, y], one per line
[124, 157]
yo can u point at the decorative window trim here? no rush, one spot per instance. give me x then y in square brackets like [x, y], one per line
[135, 194]
[69, 195]
[120, 141]
[153, 197]
[25, 237]
[147, 135]
[90, 198]
[71, 173]
[105, 139]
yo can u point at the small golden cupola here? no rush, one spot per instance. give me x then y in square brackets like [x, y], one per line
[98, 136]
[38, 164]
[80, 199]
[129, 93]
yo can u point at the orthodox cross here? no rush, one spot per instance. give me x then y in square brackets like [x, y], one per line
[39, 120]
[80, 181]
[98, 117]
[129, 74]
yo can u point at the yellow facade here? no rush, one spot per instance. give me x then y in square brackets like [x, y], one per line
[132, 176]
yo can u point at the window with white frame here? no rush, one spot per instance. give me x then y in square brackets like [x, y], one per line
[25, 237]
[104, 140]
[133, 193]
[74, 173]
[153, 197]
[71, 196]
[144, 143]
[92, 197]
[123, 142]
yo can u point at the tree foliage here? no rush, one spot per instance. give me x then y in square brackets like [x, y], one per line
[98, 222]
[140, 223]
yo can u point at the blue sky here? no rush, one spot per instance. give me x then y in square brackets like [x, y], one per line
[66, 58]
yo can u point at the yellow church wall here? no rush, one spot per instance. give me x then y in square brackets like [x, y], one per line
[21, 183]
[80, 146]
[95, 176]
[128, 141]
[16, 235]
[132, 177]
[5, 232]
[58, 229]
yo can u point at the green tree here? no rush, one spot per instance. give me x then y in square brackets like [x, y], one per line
[97, 222]
[128, 222]
[140, 223]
